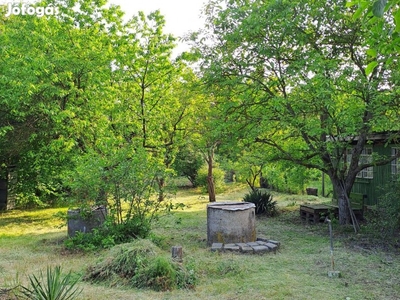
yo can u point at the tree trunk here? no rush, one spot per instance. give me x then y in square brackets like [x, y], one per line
[161, 186]
[344, 210]
[210, 177]
[263, 182]
[251, 185]
[342, 194]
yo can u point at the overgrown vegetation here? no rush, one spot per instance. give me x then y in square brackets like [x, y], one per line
[129, 189]
[263, 201]
[141, 264]
[187, 163]
[109, 235]
[384, 218]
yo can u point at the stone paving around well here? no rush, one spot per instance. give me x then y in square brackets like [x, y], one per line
[261, 246]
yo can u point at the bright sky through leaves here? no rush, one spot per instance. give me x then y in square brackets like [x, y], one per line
[182, 16]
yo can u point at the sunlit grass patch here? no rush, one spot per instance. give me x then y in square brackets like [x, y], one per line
[40, 221]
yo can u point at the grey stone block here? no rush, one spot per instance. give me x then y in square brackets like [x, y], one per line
[244, 248]
[273, 247]
[216, 247]
[251, 244]
[262, 239]
[260, 246]
[231, 247]
[260, 249]
[274, 242]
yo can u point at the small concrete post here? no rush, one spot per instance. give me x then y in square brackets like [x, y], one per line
[177, 253]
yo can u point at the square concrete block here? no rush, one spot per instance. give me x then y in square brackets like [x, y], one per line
[216, 247]
[262, 239]
[252, 244]
[262, 243]
[271, 246]
[274, 242]
[244, 248]
[231, 247]
[260, 249]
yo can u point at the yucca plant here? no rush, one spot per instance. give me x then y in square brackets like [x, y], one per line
[263, 202]
[52, 287]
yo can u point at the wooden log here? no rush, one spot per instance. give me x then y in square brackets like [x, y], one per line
[177, 253]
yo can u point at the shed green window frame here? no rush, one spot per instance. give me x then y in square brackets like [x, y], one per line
[395, 164]
[365, 157]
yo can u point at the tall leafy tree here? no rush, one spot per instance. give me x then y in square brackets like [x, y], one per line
[84, 90]
[55, 73]
[153, 103]
[295, 76]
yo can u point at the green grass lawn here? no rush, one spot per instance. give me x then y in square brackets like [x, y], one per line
[32, 240]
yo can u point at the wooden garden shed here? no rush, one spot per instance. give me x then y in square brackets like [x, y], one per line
[371, 181]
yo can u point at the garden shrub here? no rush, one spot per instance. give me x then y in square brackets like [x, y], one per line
[109, 235]
[128, 184]
[263, 202]
[28, 200]
[384, 220]
[187, 163]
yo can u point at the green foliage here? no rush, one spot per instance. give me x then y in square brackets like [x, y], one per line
[159, 275]
[302, 88]
[40, 195]
[28, 200]
[384, 220]
[49, 92]
[263, 202]
[288, 177]
[128, 178]
[186, 275]
[378, 8]
[248, 165]
[88, 241]
[64, 116]
[109, 235]
[141, 264]
[162, 274]
[53, 286]
[188, 163]
[218, 178]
